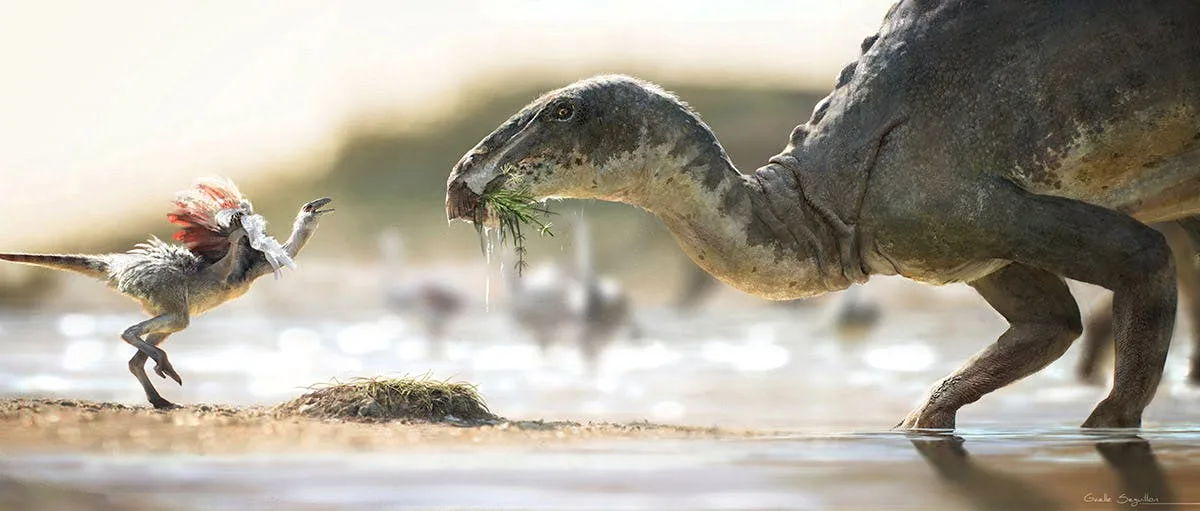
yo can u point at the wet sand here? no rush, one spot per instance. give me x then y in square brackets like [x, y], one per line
[66, 454]
[64, 425]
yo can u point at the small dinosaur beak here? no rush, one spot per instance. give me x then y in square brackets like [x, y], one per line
[315, 206]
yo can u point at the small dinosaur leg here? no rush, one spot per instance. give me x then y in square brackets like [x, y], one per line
[1097, 340]
[137, 366]
[165, 323]
[1100, 246]
[1043, 321]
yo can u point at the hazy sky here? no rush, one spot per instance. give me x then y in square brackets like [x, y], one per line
[105, 104]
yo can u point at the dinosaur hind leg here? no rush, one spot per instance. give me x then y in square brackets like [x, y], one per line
[1084, 242]
[1043, 321]
[137, 366]
[1097, 338]
[161, 324]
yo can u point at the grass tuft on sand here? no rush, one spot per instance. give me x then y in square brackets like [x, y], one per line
[383, 399]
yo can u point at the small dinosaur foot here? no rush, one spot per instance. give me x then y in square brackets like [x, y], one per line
[163, 404]
[928, 417]
[1110, 415]
[163, 368]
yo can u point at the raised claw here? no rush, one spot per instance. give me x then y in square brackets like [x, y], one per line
[163, 368]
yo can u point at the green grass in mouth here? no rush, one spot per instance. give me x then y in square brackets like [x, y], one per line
[510, 210]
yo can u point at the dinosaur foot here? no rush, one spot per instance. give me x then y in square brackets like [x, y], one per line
[162, 404]
[928, 417]
[1108, 414]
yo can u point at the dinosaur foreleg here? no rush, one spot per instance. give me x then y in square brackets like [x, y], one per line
[230, 267]
[137, 366]
[1100, 246]
[1097, 340]
[1043, 321]
[162, 324]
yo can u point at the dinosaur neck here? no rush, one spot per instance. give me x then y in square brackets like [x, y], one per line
[756, 232]
[302, 229]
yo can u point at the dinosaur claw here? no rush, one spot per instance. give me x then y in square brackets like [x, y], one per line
[164, 369]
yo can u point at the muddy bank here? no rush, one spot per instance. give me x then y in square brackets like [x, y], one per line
[70, 425]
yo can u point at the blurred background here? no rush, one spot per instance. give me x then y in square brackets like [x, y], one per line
[108, 109]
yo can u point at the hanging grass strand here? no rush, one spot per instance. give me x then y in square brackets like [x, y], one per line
[510, 210]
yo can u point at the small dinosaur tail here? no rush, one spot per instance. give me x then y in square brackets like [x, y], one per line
[95, 266]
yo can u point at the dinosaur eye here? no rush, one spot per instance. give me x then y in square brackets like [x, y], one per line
[564, 112]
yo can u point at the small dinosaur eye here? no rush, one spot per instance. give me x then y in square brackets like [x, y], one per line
[564, 112]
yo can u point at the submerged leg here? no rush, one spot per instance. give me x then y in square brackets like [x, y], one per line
[1097, 341]
[164, 324]
[137, 366]
[1043, 321]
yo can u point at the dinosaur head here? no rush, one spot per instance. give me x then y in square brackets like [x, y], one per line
[586, 140]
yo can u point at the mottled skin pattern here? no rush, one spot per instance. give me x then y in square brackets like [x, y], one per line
[173, 284]
[1008, 145]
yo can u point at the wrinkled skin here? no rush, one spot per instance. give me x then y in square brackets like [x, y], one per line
[1007, 157]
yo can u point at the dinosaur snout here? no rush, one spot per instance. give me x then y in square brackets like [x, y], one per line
[461, 202]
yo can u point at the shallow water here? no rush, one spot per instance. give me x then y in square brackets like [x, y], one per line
[1039, 469]
[827, 401]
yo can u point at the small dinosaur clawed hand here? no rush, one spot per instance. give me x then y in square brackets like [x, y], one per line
[314, 207]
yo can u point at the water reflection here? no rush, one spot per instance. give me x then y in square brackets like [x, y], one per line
[1139, 476]
[1138, 472]
[982, 487]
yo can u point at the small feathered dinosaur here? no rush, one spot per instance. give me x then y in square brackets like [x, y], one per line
[225, 248]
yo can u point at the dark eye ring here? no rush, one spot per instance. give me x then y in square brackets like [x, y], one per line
[564, 112]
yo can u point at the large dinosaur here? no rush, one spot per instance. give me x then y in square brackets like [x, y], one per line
[225, 250]
[1008, 145]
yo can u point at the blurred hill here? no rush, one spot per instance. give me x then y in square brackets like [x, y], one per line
[388, 174]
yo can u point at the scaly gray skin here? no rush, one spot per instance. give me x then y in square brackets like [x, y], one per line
[1008, 145]
[173, 284]
[1097, 333]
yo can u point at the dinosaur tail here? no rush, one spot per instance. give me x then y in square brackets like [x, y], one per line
[94, 266]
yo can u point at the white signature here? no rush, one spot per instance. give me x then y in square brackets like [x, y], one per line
[1122, 499]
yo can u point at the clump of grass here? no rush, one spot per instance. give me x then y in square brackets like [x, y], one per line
[420, 398]
[509, 209]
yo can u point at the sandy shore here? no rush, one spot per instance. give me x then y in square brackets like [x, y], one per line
[70, 425]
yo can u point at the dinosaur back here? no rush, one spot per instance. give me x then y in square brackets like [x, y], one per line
[203, 213]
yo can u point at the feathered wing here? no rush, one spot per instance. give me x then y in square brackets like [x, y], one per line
[206, 215]
[197, 212]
